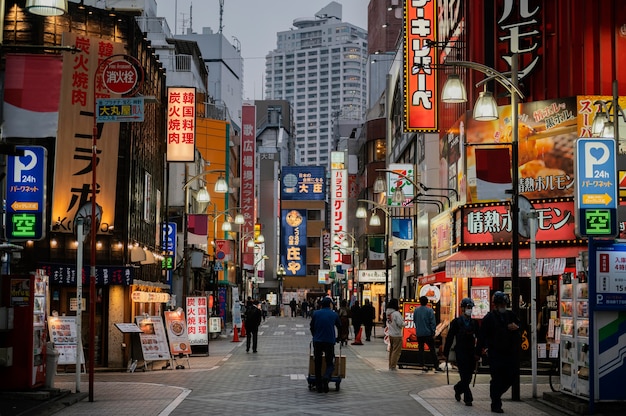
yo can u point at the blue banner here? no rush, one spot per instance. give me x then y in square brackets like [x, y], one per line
[303, 183]
[293, 241]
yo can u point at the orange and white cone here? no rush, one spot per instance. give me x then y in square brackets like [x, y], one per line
[357, 339]
[235, 334]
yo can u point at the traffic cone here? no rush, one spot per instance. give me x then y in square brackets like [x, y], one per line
[357, 339]
[235, 334]
[243, 329]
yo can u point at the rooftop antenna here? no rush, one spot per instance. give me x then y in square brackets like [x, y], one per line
[190, 18]
[221, 16]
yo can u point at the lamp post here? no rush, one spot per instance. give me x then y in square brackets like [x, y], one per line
[485, 110]
[280, 276]
[353, 248]
[250, 244]
[361, 212]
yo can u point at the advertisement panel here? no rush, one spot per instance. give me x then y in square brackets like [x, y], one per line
[338, 212]
[293, 241]
[547, 132]
[399, 181]
[303, 183]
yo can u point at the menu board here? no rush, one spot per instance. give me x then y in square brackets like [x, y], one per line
[153, 338]
[64, 336]
[177, 332]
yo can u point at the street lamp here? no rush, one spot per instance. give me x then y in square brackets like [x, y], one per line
[202, 196]
[361, 212]
[398, 197]
[454, 92]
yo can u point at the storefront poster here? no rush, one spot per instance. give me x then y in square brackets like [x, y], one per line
[153, 339]
[177, 335]
[480, 296]
[64, 336]
[409, 339]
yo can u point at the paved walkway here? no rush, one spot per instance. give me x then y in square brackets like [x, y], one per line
[273, 382]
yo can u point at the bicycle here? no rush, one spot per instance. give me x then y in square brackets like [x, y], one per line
[554, 376]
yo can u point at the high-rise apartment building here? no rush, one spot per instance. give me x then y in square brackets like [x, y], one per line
[319, 66]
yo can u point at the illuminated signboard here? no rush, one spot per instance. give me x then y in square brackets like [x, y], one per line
[338, 212]
[398, 179]
[26, 194]
[303, 183]
[247, 191]
[420, 88]
[181, 124]
[293, 244]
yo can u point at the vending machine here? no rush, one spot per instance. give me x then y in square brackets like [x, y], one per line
[25, 299]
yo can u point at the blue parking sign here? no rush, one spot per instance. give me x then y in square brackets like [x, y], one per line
[596, 187]
[26, 194]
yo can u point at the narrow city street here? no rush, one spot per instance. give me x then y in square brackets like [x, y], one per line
[273, 381]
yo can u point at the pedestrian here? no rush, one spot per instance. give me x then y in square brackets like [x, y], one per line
[293, 305]
[344, 319]
[253, 320]
[305, 308]
[264, 308]
[323, 324]
[355, 313]
[463, 333]
[395, 324]
[425, 326]
[367, 315]
[499, 337]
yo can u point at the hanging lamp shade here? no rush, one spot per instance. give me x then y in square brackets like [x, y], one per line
[375, 220]
[608, 130]
[203, 196]
[240, 219]
[485, 108]
[598, 123]
[46, 7]
[361, 212]
[380, 185]
[398, 196]
[221, 187]
[226, 226]
[453, 90]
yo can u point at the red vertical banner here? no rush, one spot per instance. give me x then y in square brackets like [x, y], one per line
[247, 171]
[181, 124]
[420, 78]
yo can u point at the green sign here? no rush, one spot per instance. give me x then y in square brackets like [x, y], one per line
[598, 222]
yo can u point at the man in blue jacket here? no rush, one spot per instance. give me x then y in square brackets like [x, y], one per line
[424, 320]
[323, 324]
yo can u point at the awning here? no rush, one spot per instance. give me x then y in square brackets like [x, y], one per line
[551, 261]
[439, 277]
[524, 253]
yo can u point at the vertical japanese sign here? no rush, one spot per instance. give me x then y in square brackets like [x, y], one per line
[181, 124]
[197, 320]
[420, 89]
[338, 212]
[293, 247]
[26, 194]
[73, 173]
[247, 187]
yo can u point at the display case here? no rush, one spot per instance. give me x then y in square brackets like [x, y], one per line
[574, 308]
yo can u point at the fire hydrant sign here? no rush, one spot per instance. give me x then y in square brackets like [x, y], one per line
[120, 77]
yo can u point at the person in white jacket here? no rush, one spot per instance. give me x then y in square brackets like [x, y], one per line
[395, 324]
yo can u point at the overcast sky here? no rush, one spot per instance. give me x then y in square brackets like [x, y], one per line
[255, 24]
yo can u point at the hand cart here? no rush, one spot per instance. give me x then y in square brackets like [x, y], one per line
[338, 373]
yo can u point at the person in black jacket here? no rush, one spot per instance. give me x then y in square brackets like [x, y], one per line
[499, 337]
[464, 331]
[368, 313]
[253, 320]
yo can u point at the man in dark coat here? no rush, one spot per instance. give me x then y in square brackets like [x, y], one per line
[368, 314]
[500, 336]
[253, 320]
[323, 324]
